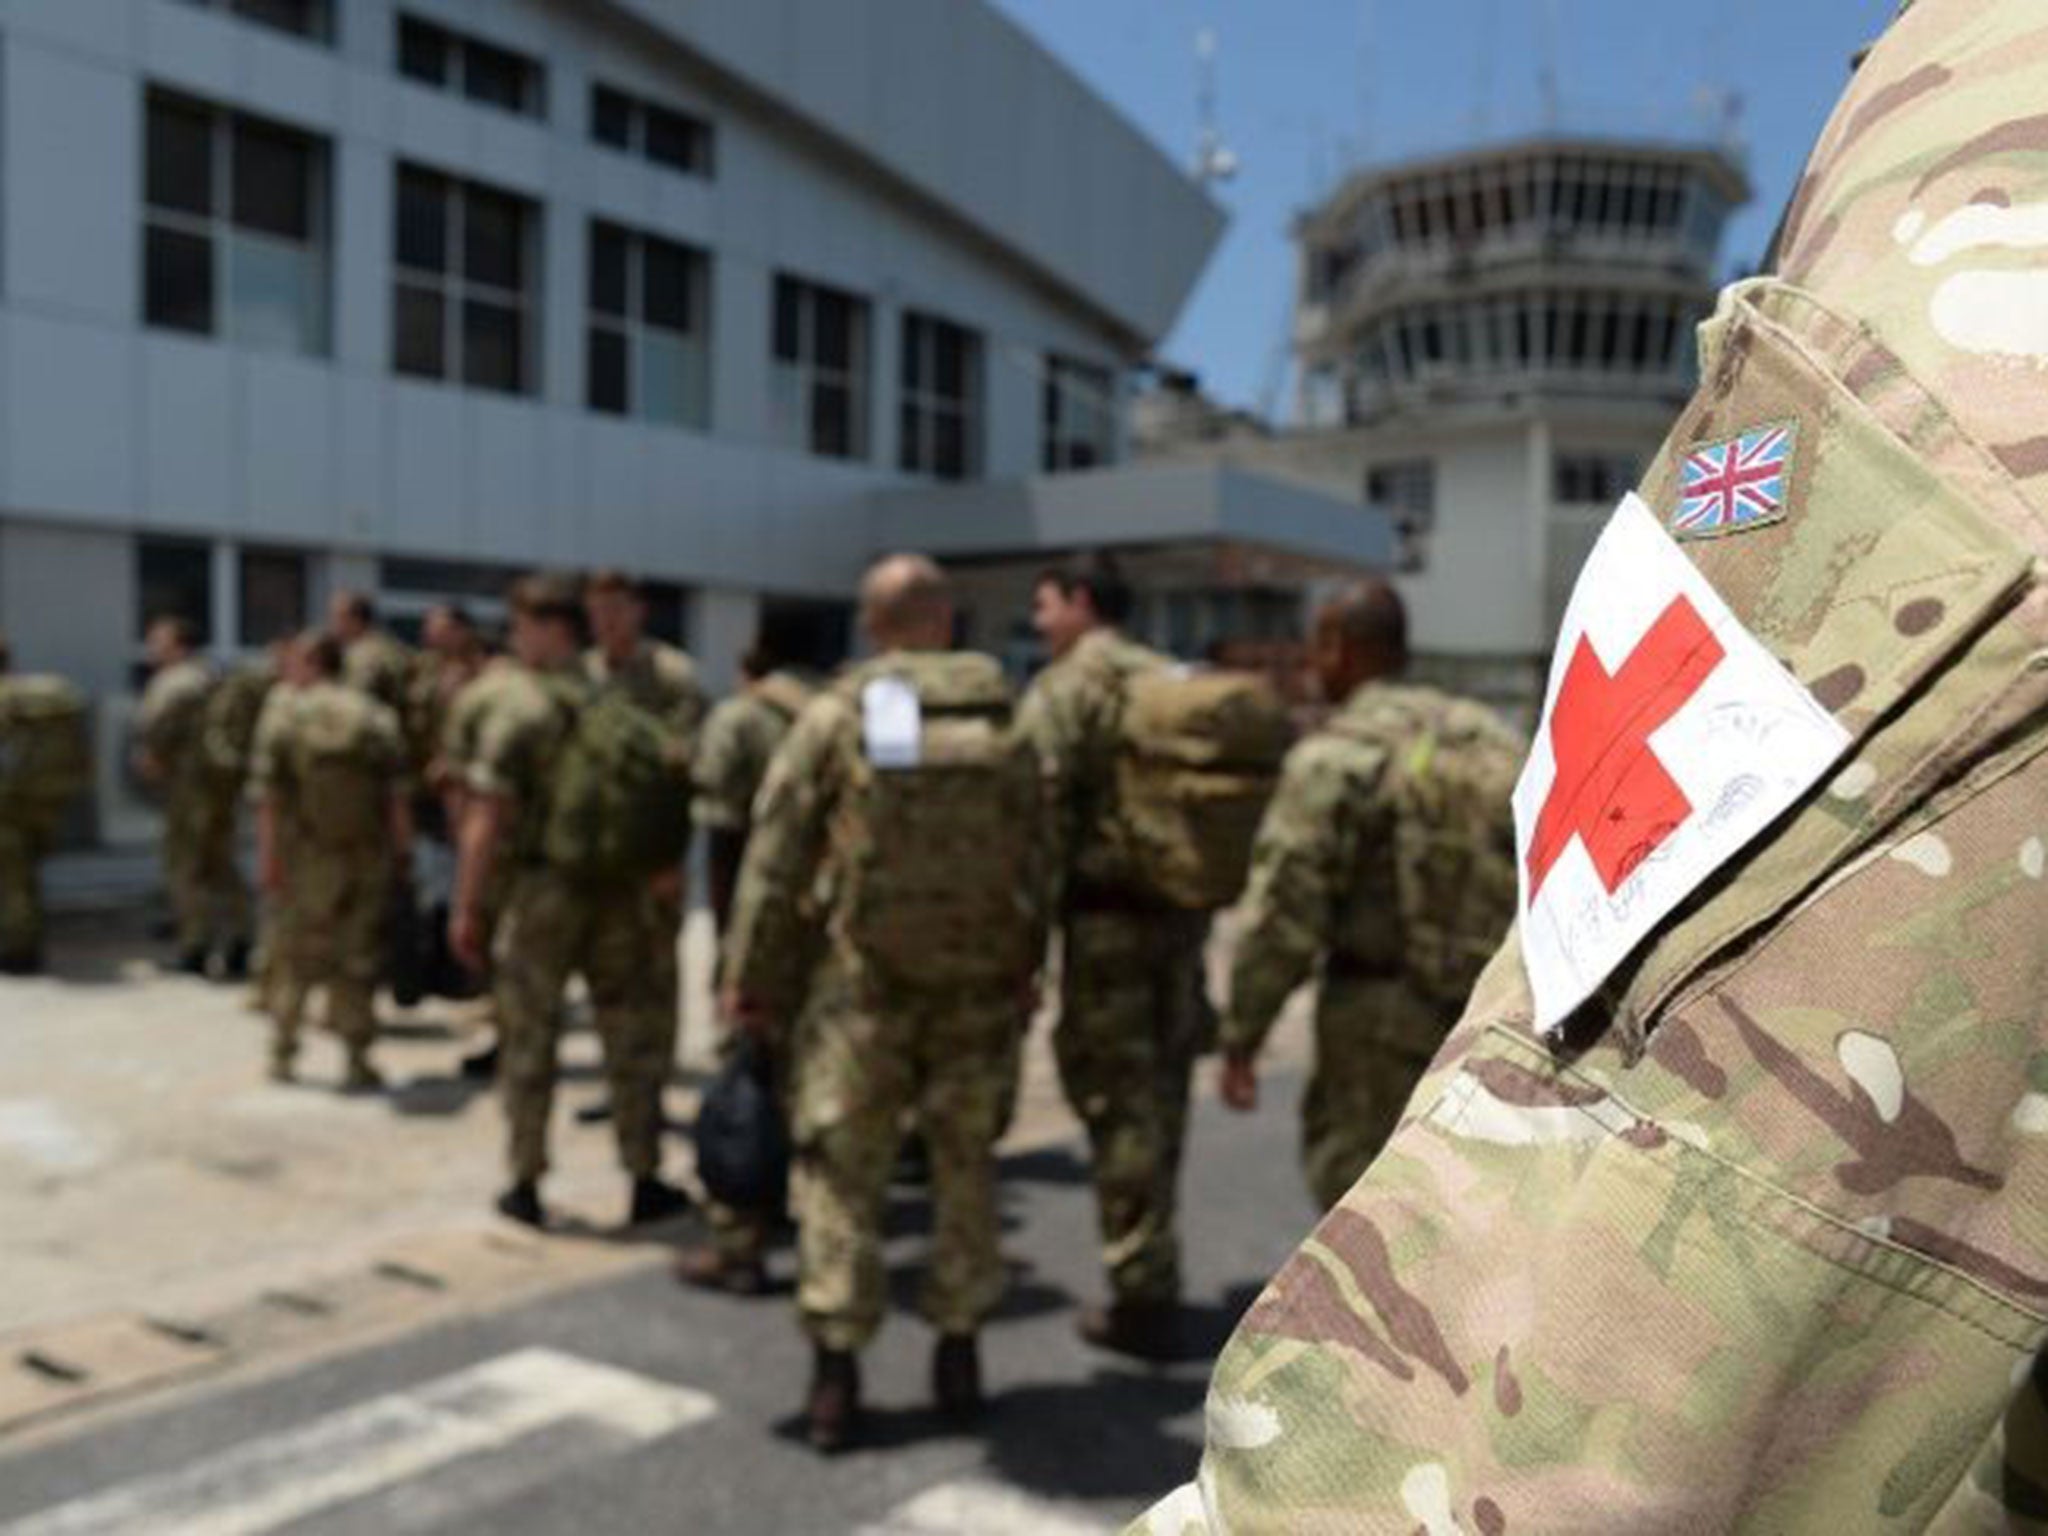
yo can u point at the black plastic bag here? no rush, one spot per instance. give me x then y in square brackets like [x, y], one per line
[742, 1147]
[405, 943]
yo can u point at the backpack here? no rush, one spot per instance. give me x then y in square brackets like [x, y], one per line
[45, 760]
[341, 785]
[1453, 843]
[618, 803]
[937, 850]
[227, 727]
[1198, 757]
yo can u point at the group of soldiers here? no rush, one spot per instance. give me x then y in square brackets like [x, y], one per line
[893, 856]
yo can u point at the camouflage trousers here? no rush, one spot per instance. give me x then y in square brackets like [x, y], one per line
[623, 944]
[1133, 1018]
[328, 931]
[1373, 1039]
[209, 902]
[862, 1063]
[21, 897]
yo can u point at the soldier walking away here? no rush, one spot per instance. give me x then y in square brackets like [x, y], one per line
[1134, 1013]
[45, 764]
[740, 738]
[372, 659]
[467, 710]
[907, 791]
[209, 902]
[1385, 869]
[334, 819]
[661, 681]
[576, 791]
[1735, 1223]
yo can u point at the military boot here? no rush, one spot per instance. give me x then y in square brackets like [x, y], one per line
[362, 1076]
[832, 1411]
[521, 1203]
[710, 1268]
[956, 1376]
[1145, 1330]
[655, 1201]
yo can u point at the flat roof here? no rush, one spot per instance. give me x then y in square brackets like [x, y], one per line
[1260, 524]
[956, 103]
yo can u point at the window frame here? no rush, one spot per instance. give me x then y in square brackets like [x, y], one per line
[797, 379]
[700, 132]
[458, 47]
[921, 405]
[456, 290]
[1068, 379]
[225, 235]
[632, 325]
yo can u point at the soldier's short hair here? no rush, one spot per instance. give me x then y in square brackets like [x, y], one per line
[181, 629]
[321, 651]
[904, 589]
[356, 604]
[608, 580]
[547, 595]
[1369, 614]
[1099, 575]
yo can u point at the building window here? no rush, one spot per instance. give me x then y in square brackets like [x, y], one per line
[660, 134]
[941, 400]
[273, 595]
[1406, 490]
[1079, 416]
[821, 369]
[1593, 478]
[234, 227]
[174, 580]
[455, 61]
[649, 306]
[463, 300]
[312, 19]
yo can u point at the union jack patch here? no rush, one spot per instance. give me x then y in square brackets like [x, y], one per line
[1741, 483]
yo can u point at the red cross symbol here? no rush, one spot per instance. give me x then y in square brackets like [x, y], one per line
[1611, 792]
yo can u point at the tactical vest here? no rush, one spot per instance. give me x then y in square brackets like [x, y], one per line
[933, 850]
[618, 802]
[45, 762]
[340, 776]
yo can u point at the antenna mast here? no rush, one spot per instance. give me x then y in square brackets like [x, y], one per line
[1214, 161]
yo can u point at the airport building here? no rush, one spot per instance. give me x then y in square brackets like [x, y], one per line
[1490, 346]
[409, 295]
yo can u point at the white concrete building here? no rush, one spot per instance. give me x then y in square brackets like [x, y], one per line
[414, 294]
[1491, 346]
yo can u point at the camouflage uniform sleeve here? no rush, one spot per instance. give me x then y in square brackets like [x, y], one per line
[719, 770]
[1054, 718]
[1305, 851]
[507, 744]
[265, 760]
[783, 854]
[691, 706]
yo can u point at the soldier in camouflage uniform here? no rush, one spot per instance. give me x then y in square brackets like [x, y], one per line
[658, 677]
[209, 903]
[1762, 1246]
[553, 926]
[874, 1042]
[372, 659]
[451, 655]
[331, 786]
[740, 738]
[1133, 1012]
[1329, 897]
[37, 781]
[291, 673]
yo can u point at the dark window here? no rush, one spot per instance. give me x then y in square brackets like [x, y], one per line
[668, 610]
[649, 305]
[468, 319]
[482, 71]
[273, 595]
[1593, 478]
[940, 413]
[658, 134]
[611, 117]
[312, 19]
[174, 579]
[234, 226]
[1080, 416]
[1406, 490]
[820, 342]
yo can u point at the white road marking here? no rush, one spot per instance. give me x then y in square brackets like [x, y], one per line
[987, 1509]
[274, 1480]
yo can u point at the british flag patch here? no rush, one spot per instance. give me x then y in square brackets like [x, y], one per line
[1738, 484]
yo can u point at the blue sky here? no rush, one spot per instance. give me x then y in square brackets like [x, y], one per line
[1307, 87]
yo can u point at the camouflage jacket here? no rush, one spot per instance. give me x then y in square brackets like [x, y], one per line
[229, 723]
[1766, 1249]
[1326, 884]
[789, 879]
[381, 667]
[740, 737]
[660, 679]
[170, 724]
[1072, 713]
[329, 814]
[524, 720]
